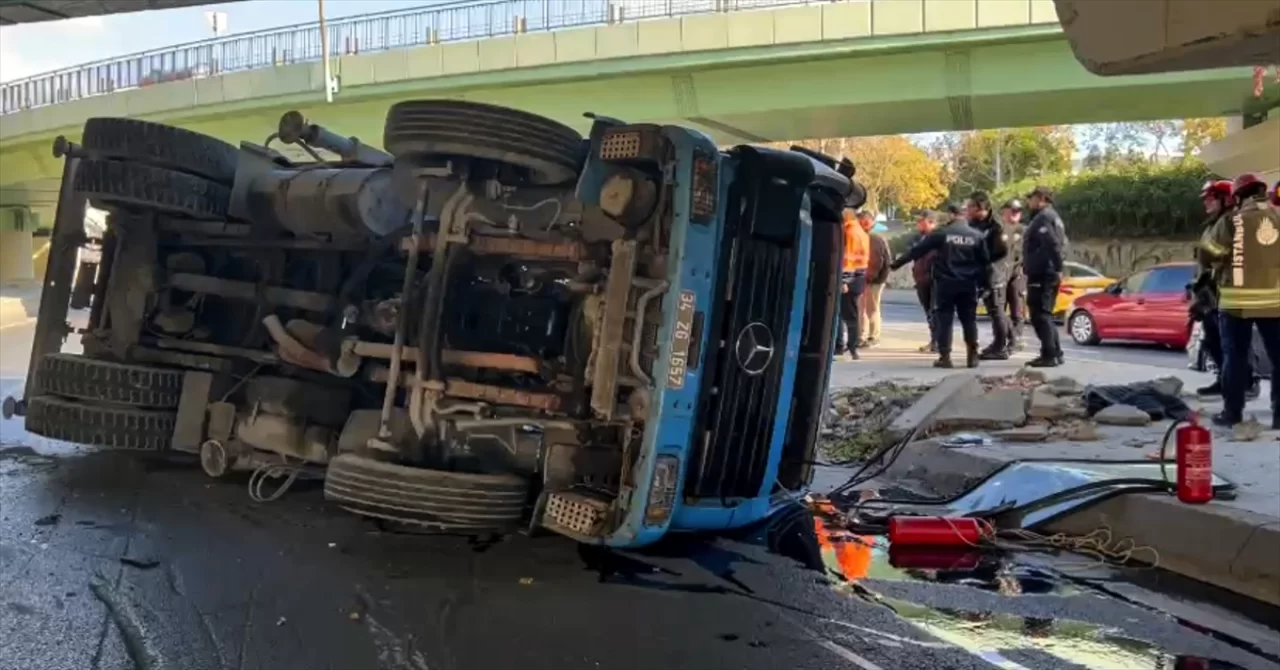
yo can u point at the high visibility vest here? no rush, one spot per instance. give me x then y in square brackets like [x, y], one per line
[1249, 286]
[857, 246]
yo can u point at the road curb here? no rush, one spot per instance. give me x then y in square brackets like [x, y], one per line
[920, 414]
[1227, 547]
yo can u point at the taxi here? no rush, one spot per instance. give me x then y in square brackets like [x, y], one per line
[1077, 279]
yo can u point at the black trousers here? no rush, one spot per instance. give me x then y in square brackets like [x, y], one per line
[849, 326]
[924, 292]
[1212, 342]
[1042, 293]
[997, 302]
[1016, 292]
[952, 302]
[1237, 372]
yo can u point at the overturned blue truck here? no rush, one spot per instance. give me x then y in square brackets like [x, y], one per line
[490, 324]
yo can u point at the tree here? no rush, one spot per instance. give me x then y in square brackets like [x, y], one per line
[1196, 133]
[897, 174]
[985, 159]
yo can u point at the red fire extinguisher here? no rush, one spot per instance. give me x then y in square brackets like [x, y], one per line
[1194, 459]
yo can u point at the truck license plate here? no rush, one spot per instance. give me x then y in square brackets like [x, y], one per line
[678, 359]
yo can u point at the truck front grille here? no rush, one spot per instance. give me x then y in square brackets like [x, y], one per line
[739, 402]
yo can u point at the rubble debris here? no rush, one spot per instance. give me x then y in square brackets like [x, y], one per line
[1031, 375]
[1247, 431]
[966, 440]
[1045, 404]
[1159, 398]
[1064, 386]
[1122, 415]
[1035, 432]
[999, 409]
[1082, 431]
[858, 419]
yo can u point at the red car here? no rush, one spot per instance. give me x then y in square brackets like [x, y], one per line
[1147, 306]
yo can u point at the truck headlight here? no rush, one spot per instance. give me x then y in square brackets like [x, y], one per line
[662, 492]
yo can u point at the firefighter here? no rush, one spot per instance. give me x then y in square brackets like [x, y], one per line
[1016, 289]
[853, 280]
[877, 275]
[997, 240]
[1218, 204]
[1248, 244]
[1043, 247]
[960, 269]
[923, 277]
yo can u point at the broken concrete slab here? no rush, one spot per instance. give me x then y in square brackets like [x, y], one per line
[998, 409]
[1036, 432]
[1122, 415]
[1032, 374]
[918, 416]
[1045, 404]
[1064, 386]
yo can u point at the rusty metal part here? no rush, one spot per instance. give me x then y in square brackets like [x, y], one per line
[637, 333]
[501, 395]
[488, 245]
[290, 349]
[218, 229]
[471, 359]
[248, 291]
[608, 349]
[180, 359]
[498, 395]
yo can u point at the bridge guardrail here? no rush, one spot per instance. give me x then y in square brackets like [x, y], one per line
[452, 22]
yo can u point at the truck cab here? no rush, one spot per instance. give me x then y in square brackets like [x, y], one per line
[489, 324]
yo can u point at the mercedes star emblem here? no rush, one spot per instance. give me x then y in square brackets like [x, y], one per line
[754, 348]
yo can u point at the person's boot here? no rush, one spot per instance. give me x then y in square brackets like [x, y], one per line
[1225, 420]
[944, 361]
[1275, 418]
[930, 348]
[1211, 390]
[972, 356]
[853, 355]
[993, 354]
[1255, 390]
[1044, 362]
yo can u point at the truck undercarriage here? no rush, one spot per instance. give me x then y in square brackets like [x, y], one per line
[461, 332]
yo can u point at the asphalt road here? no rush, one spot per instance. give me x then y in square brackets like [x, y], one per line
[113, 562]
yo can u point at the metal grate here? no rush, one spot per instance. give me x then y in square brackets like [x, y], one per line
[738, 407]
[575, 512]
[619, 146]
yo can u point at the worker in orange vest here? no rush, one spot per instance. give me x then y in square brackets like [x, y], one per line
[853, 281]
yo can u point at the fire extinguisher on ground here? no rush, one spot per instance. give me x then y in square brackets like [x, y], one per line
[1193, 458]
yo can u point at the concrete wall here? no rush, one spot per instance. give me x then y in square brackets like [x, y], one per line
[16, 250]
[1255, 149]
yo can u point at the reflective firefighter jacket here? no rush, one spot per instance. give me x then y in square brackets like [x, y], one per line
[1249, 244]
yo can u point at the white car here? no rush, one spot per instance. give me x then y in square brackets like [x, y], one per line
[1199, 359]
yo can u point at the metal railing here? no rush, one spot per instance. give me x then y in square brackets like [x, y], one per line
[451, 22]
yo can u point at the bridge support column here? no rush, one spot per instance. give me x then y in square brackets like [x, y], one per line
[17, 226]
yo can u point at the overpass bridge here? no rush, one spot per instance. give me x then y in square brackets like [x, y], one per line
[741, 70]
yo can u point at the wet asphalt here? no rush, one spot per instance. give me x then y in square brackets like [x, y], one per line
[115, 562]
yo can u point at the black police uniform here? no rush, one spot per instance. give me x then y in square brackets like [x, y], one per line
[1043, 245]
[995, 297]
[960, 270]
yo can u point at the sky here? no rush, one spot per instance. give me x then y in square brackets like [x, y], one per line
[37, 48]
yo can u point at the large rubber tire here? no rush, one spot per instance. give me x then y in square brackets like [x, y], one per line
[81, 378]
[435, 499]
[550, 151]
[109, 182]
[161, 146]
[100, 425]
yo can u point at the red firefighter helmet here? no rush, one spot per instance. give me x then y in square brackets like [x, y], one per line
[1220, 189]
[1246, 182]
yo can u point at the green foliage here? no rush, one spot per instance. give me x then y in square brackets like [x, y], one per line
[1023, 153]
[1130, 201]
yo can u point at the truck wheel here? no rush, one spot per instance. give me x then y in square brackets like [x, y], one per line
[161, 146]
[100, 425]
[109, 182]
[81, 378]
[436, 499]
[551, 151]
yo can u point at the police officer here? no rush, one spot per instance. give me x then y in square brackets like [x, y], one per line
[1218, 205]
[960, 268]
[1043, 247]
[997, 241]
[1016, 289]
[1248, 291]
